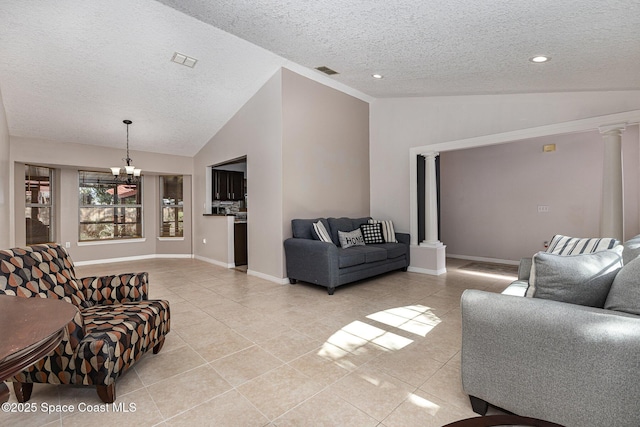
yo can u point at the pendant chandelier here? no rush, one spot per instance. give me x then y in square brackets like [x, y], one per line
[129, 173]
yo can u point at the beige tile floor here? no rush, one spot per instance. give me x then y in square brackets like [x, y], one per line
[247, 352]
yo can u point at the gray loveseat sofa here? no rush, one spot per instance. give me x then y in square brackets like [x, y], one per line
[570, 364]
[327, 264]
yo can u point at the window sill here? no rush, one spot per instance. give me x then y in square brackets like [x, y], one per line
[111, 242]
[170, 239]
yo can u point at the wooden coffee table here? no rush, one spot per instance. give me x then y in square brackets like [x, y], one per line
[31, 329]
[502, 420]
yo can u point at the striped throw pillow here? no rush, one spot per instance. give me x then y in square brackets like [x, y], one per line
[564, 245]
[321, 232]
[388, 232]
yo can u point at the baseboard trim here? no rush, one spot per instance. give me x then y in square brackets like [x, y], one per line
[268, 277]
[281, 281]
[130, 258]
[215, 262]
[484, 259]
[426, 271]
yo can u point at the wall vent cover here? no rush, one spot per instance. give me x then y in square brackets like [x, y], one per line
[328, 71]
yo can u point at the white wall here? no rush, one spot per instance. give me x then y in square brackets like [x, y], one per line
[307, 150]
[398, 124]
[490, 195]
[68, 158]
[5, 171]
[255, 131]
[325, 152]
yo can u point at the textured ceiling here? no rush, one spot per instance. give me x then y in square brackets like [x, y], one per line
[72, 70]
[436, 47]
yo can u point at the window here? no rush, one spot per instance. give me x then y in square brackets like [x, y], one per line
[109, 209]
[171, 206]
[38, 204]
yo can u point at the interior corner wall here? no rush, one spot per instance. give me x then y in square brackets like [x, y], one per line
[255, 131]
[398, 124]
[490, 195]
[5, 181]
[325, 151]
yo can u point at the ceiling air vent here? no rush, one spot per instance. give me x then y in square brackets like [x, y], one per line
[185, 60]
[328, 71]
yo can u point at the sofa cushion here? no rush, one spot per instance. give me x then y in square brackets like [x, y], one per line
[356, 255]
[43, 270]
[393, 250]
[517, 288]
[130, 329]
[387, 230]
[625, 290]
[631, 249]
[343, 224]
[350, 257]
[372, 233]
[303, 228]
[320, 232]
[565, 245]
[578, 279]
[350, 238]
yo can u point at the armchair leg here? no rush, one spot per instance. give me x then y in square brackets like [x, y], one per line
[478, 405]
[107, 393]
[23, 391]
[331, 290]
[158, 346]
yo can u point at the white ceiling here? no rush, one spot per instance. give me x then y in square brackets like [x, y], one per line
[72, 70]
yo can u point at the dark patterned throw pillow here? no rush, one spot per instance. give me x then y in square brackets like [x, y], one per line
[372, 233]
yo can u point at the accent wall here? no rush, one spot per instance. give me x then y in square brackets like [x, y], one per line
[490, 195]
[398, 124]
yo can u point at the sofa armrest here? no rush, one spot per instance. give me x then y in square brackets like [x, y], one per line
[403, 238]
[312, 261]
[524, 269]
[565, 363]
[117, 288]
[406, 239]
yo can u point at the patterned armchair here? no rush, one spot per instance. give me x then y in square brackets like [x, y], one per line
[115, 325]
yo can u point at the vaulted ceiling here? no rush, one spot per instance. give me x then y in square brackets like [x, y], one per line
[72, 70]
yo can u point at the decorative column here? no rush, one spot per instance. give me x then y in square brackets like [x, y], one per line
[430, 202]
[612, 211]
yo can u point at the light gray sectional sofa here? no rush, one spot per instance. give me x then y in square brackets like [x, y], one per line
[327, 264]
[571, 364]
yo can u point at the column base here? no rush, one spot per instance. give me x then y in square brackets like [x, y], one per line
[428, 259]
[431, 244]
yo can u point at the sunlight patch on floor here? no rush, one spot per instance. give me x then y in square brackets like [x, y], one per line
[488, 275]
[358, 336]
[430, 407]
[416, 319]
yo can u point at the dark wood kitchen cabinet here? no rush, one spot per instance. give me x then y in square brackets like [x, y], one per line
[240, 243]
[227, 185]
[235, 185]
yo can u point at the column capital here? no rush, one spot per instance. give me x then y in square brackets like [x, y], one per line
[616, 129]
[430, 154]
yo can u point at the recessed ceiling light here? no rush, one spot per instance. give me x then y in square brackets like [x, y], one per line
[377, 76]
[539, 59]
